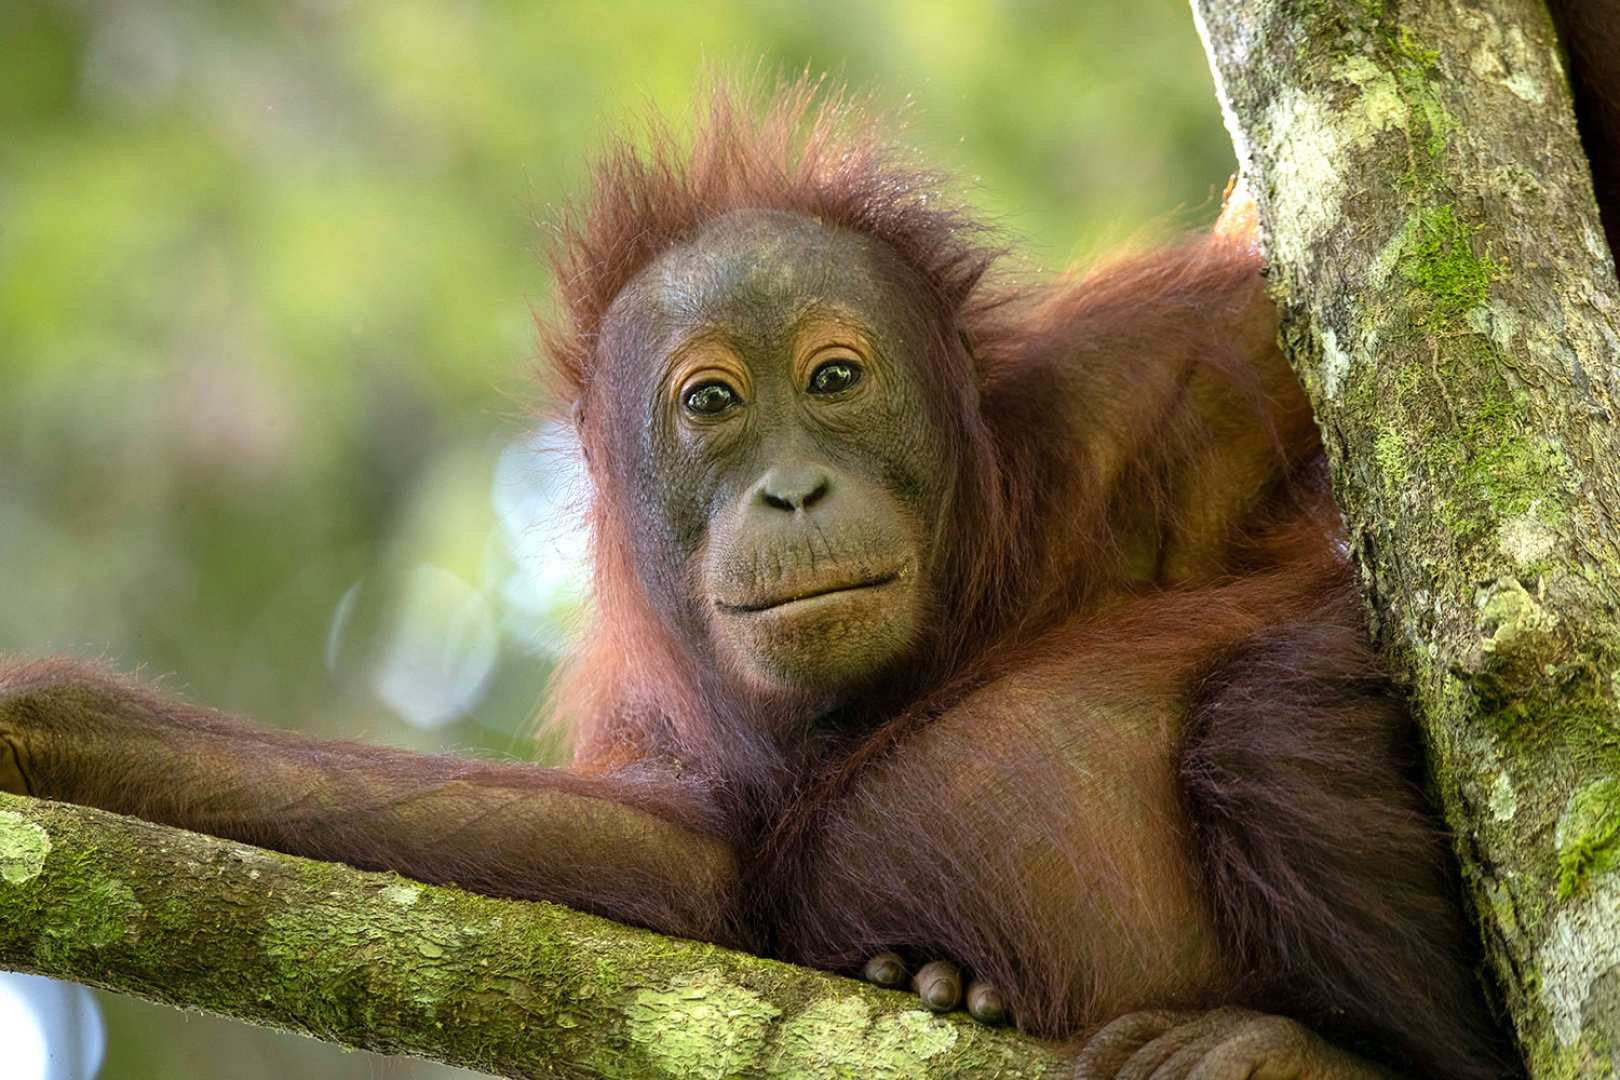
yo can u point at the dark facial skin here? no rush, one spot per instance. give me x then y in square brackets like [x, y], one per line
[786, 469]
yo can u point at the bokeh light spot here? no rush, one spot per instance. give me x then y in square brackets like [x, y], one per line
[49, 1030]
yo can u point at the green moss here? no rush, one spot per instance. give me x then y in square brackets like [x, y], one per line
[1520, 474]
[1415, 67]
[1409, 49]
[376, 961]
[1407, 382]
[1455, 421]
[1390, 451]
[99, 912]
[1437, 258]
[316, 968]
[1587, 838]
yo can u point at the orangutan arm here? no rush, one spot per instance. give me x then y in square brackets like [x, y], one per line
[614, 847]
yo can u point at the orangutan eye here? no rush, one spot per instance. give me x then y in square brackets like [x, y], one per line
[834, 377]
[711, 398]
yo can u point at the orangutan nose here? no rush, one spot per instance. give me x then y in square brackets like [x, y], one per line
[793, 488]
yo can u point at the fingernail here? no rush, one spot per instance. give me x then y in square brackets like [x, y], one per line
[885, 969]
[986, 1004]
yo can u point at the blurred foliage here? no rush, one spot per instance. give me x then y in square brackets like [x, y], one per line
[266, 280]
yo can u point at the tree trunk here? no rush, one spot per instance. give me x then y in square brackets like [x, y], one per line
[381, 963]
[1449, 303]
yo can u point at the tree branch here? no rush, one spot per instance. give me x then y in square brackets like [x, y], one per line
[381, 963]
[1450, 305]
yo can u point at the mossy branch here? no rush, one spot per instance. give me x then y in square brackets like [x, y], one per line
[381, 963]
[1449, 303]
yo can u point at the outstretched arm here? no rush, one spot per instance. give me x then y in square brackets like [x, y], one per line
[615, 847]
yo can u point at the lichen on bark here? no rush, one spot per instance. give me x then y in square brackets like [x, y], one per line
[1447, 300]
[382, 963]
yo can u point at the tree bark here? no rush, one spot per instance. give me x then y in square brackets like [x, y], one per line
[1450, 306]
[377, 962]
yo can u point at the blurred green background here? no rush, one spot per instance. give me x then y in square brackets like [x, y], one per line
[266, 281]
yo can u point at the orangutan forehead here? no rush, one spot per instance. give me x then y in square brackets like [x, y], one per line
[766, 269]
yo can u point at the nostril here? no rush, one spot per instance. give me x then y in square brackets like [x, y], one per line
[793, 490]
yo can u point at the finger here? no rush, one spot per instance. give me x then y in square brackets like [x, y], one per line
[985, 1003]
[1180, 1048]
[1106, 1052]
[939, 984]
[1186, 1042]
[886, 969]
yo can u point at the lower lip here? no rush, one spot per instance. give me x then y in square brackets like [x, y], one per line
[820, 600]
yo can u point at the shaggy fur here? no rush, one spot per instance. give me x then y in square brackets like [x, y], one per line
[1139, 492]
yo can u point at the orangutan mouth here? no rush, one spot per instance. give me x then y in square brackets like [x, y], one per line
[816, 593]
